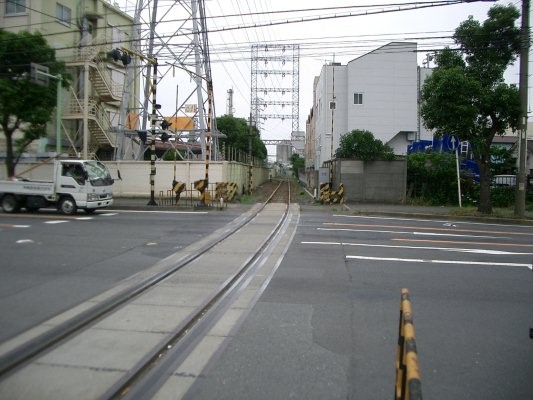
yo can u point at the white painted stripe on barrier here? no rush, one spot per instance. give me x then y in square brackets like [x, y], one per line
[420, 260]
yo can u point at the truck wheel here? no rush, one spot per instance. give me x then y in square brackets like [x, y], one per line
[67, 206]
[10, 204]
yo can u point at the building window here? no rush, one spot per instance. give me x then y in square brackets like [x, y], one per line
[63, 14]
[15, 7]
[358, 98]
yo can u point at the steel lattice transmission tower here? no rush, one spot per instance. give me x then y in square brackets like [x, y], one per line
[275, 82]
[175, 34]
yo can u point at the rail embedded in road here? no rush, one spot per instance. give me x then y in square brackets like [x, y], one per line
[203, 300]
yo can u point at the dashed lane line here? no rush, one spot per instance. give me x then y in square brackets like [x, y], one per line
[421, 260]
[411, 233]
[14, 226]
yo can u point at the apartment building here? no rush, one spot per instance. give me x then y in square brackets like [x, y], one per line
[377, 92]
[84, 34]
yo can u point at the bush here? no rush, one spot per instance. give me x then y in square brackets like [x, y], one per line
[432, 177]
[362, 145]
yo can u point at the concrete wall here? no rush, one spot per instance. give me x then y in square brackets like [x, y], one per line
[374, 181]
[135, 175]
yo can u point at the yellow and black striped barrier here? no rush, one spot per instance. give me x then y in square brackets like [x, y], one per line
[178, 188]
[232, 190]
[324, 192]
[408, 384]
[337, 197]
[221, 194]
[201, 186]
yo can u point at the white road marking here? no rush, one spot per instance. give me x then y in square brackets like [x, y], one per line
[420, 260]
[23, 241]
[84, 218]
[451, 249]
[14, 226]
[55, 222]
[412, 233]
[432, 220]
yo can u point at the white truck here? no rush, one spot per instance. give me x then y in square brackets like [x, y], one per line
[76, 184]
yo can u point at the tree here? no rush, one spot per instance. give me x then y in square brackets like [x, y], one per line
[237, 131]
[297, 163]
[466, 94]
[25, 106]
[362, 145]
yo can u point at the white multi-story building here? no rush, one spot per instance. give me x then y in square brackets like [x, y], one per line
[378, 92]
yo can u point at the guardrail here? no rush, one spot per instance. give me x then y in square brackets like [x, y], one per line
[408, 384]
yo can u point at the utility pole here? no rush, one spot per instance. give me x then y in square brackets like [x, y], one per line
[332, 106]
[520, 203]
[250, 158]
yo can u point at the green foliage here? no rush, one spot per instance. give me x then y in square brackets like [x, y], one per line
[24, 105]
[173, 155]
[432, 177]
[466, 94]
[502, 161]
[237, 131]
[362, 145]
[503, 196]
[297, 163]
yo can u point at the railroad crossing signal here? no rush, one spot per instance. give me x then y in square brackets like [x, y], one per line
[39, 74]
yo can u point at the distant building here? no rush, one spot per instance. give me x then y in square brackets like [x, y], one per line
[84, 33]
[378, 92]
[298, 143]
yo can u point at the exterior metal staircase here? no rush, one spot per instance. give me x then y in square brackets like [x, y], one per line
[98, 123]
[103, 91]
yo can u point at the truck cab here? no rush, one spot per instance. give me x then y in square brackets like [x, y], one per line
[84, 184]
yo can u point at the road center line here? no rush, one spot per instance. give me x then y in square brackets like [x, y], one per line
[412, 233]
[420, 260]
[429, 228]
[451, 249]
[452, 242]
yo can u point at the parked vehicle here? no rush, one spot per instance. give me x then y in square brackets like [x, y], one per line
[76, 184]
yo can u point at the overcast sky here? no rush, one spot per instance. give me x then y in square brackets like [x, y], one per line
[336, 37]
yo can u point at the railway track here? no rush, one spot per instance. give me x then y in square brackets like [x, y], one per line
[130, 341]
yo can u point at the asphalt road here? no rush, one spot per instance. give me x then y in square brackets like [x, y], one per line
[51, 262]
[327, 324]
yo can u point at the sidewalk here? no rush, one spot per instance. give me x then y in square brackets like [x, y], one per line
[397, 210]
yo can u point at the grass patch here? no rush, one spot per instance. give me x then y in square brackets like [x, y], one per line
[497, 212]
